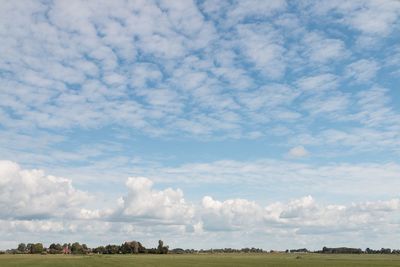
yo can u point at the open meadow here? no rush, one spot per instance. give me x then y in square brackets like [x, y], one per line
[248, 260]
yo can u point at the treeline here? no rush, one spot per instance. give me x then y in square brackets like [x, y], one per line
[341, 250]
[135, 247]
[346, 250]
[300, 250]
[217, 250]
[132, 247]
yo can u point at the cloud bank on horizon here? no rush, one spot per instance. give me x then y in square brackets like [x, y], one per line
[270, 121]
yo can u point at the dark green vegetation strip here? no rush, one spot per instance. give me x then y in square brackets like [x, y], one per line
[273, 260]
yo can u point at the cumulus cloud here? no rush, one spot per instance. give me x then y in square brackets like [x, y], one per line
[303, 216]
[31, 194]
[145, 203]
[229, 215]
[147, 212]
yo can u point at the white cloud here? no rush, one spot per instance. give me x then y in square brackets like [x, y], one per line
[149, 213]
[250, 9]
[375, 110]
[263, 47]
[32, 226]
[280, 177]
[375, 17]
[369, 17]
[362, 70]
[230, 14]
[143, 203]
[333, 105]
[229, 215]
[135, 65]
[32, 194]
[320, 49]
[319, 82]
[268, 97]
[306, 213]
[300, 218]
[298, 152]
[356, 140]
[173, 68]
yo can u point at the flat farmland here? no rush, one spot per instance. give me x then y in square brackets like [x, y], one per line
[248, 260]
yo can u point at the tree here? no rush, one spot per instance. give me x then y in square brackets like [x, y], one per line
[112, 249]
[21, 248]
[130, 247]
[76, 248]
[135, 247]
[55, 248]
[35, 248]
[100, 250]
[29, 247]
[85, 249]
[161, 249]
[160, 246]
[142, 249]
[126, 248]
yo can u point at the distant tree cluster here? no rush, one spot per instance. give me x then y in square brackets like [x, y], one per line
[342, 250]
[231, 250]
[382, 251]
[38, 248]
[30, 248]
[345, 250]
[132, 247]
[300, 250]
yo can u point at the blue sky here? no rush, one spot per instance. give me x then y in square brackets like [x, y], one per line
[200, 122]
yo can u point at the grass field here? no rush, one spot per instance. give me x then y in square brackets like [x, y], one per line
[273, 260]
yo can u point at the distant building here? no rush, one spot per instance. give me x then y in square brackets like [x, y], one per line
[66, 250]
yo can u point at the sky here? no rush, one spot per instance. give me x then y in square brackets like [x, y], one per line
[270, 124]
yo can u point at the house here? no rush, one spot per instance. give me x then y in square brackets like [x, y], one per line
[66, 250]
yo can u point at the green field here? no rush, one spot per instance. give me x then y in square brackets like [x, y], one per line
[201, 260]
